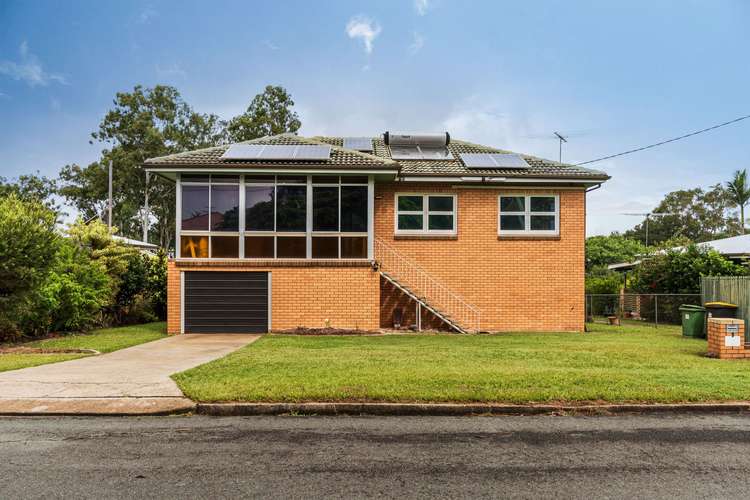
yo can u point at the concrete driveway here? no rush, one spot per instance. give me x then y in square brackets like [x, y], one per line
[135, 379]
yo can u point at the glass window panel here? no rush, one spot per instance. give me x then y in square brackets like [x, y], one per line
[291, 247]
[225, 208]
[354, 179]
[542, 203]
[512, 204]
[292, 179]
[440, 222]
[233, 179]
[259, 247]
[195, 208]
[194, 247]
[325, 179]
[193, 178]
[542, 222]
[354, 247]
[410, 203]
[410, 222]
[325, 208]
[258, 179]
[259, 208]
[440, 203]
[291, 208]
[512, 222]
[225, 247]
[354, 209]
[325, 247]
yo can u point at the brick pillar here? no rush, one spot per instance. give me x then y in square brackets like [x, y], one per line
[173, 298]
[726, 338]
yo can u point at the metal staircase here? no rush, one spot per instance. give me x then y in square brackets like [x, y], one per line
[426, 290]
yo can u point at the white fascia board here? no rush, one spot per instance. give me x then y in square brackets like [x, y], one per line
[496, 180]
[306, 171]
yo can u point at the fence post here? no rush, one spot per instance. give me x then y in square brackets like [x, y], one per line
[656, 311]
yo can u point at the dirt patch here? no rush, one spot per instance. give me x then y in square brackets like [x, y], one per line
[42, 350]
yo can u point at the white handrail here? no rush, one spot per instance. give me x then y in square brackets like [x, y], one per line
[423, 284]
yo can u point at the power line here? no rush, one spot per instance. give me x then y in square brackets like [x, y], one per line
[667, 141]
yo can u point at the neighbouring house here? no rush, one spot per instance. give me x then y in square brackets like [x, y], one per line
[735, 248]
[402, 230]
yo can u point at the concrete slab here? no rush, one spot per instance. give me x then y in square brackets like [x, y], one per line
[141, 371]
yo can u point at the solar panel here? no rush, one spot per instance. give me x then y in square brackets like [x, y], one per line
[358, 143]
[493, 160]
[276, 152]
[406, 153]
[420, 153]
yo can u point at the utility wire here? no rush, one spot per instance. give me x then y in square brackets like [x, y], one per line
[667, 141]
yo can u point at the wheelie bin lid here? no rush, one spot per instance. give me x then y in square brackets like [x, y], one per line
[720, 305]
[691, 307]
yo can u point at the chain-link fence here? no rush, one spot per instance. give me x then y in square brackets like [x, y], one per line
[645, 308]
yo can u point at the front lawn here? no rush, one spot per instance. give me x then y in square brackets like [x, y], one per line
[103, 340]
[615, 364]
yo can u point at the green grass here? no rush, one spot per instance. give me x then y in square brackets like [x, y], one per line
[103, 340]
[614, 364]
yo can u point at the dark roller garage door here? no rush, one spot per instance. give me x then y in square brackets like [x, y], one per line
[226, 302]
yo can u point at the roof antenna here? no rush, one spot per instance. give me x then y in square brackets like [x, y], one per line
[561, 140]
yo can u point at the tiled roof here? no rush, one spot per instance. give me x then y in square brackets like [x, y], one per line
[380, 158]
[211, 157]
[539, 166]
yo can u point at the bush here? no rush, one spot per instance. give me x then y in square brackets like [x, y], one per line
[156, 284]
[680, 270]
[72, 297]
[28, 244]
[604, 283]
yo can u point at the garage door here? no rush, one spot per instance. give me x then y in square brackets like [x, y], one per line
[226, 302]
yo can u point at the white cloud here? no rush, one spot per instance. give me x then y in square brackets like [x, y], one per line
[270, 45]
[147, 15]
[416, 44]
[29, 69]
[422, 6]
[173, 70]
[364, 28]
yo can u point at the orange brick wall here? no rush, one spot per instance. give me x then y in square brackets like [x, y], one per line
[531, 284]
[348, 297]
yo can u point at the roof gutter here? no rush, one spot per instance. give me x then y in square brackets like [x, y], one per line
[502, 180]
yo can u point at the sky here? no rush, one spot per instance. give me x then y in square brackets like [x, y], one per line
[610, 76]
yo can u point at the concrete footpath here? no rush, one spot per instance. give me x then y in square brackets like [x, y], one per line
[131, 381]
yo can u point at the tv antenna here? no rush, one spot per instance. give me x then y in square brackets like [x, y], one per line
[648, 216]
[561, 139]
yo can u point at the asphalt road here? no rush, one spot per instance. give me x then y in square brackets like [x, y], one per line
[509, 457]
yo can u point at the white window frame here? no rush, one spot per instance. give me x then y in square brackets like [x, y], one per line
[425, 213]
[527, 213]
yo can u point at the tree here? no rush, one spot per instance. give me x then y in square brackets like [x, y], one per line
[31, 187]
[605, 250]
[739, 192]
[144, 123]
[28, 244]
[701, 216]
[269, 113]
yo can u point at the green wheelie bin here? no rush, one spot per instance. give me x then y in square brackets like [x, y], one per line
[693, 320]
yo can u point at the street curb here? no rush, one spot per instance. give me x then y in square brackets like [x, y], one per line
[110, 407]
[448, 409]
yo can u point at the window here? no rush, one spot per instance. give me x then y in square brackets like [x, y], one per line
[209, 219]
[532, 215]
[425, 214]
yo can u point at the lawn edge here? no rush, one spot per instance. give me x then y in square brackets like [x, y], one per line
[452, 409]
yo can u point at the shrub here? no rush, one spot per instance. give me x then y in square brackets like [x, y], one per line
[28, 243]
[156, 284]
[72, 297]
[680, 270]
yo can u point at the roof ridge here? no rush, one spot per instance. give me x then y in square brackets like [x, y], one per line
[387, 161]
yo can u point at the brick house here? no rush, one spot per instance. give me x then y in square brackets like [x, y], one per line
[418, 231]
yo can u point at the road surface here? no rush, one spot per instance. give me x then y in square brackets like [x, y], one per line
[509, 457]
